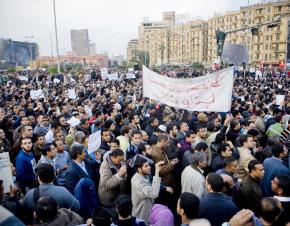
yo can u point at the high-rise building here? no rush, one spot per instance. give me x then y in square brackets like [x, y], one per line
[131, 49]
[80, 42]
[195, 40]
[92, 49]
[15, 53]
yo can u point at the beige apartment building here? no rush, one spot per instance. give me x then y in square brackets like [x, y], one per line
[195, 41]
[131, 49]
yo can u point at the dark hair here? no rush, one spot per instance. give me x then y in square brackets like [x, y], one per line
[220, 137]
[39, 135]
[235, 113]
[131, 116]
[277, 149]
[162, 137]
[46, 148]
[136, 131]
[189, 202]
[189, 133]
[229, 160]
[101, 217]
[201, 146]
[139, 162]
[117, 152]
[55, 124]
[252, 165]
[170, 126]
[221, 148]
[124, 130]
[151, 119]
[103, 130]
[215, 181]
[253, 132]
[234, 123]
[116, 141]
[270, 210]
[284, 184]
[108, 123]
[46, 209]
[244, 138]
[124, 205]
[141, 148]
[199, 127]
[76, 149]
[45, 171]
[24, 138]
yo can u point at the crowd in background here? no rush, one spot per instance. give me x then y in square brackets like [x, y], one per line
[156, 165]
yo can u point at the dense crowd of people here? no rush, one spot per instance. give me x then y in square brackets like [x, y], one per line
[156, 165]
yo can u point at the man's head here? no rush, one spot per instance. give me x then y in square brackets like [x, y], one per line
[190, 136]
[235, 124]
[114, 144]
[201, 131]
[136, 137]
[281, 185]
[26, 131]
[153, 122]
[105, 135]
[24, 121]
[77, 152]
[279, 151]
[183, 127]
[199, 159]
[231, 165]
[145, 136]
[270, 210]
[188, 206]
[26, 144]
[171, 129]
[2, 134]
[224, 150]
[59, 146]
[45, 173]
[117, 156]
[256, 169]
[201, 117]
[80, 137]
[49, 151]
[46, 209]
[214, 182]
[45, 121]
[163, 141]
[247, 141]
[142, 166]
[124, 206]
[134, 118]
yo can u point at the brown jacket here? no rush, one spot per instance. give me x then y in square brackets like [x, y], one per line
[166, 173]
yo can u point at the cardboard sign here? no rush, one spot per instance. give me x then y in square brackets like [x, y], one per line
[94, 142]
[5, 171]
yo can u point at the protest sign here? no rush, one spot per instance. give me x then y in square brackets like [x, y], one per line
[73, 121]
[35, 94]
[113, 77]
[23, 78]
[280, 99]
[235, 53]
[72, 94]
[211, 92]
[130, 76]
[94, 142]
[5, 171]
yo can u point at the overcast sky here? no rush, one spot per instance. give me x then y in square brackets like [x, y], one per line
[111, 23]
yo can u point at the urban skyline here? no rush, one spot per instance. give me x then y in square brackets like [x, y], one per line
[110, 27]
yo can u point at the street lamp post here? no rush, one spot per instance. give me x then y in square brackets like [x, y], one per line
[221, 35]
[30, 47]
[56, 38]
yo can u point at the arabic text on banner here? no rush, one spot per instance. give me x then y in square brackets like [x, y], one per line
[212, 92]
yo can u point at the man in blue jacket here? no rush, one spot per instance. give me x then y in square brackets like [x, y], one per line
[215, 206]
[273, 166]
[25, 165]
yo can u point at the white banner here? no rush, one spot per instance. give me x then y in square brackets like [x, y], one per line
[113, 76]
[130, 75]
[211, 92]
[72, 94]
[5, 171]
[35, 94]
[94, 142]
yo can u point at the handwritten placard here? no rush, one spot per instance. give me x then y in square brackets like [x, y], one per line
[212, 92]
[5, 171]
